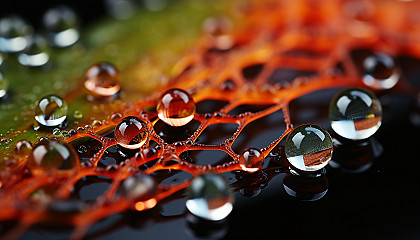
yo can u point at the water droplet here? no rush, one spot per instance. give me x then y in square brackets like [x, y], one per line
[309, 147]
[4, 85]
[131, 132]
[209, 197]
[218, 29]
[23, 147]
[56, 132]
[115, 117]
[13, 34]
[102, 79]
[176, 107]
[52, 157]
[380, 71]
[78, 114]
[35, 53]
[139, 187]
[355, 114]
[61, 24]
[251, 160]
[51, 110]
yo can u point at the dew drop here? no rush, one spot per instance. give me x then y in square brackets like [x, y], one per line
[102, 80]
[4, 85]
[36, 52]
[355, 114]
[209, 197]
[131, 132]
[176, 107]
[13, 34]
[78, 114]
[23, 147]
[51, 110]
[139, 187]
[251, 160]
[52, 157]
[380, 71]
[309, 147]
[61, 24]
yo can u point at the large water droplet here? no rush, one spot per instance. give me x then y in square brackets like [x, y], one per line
[61, 23]
[209, 197]
[52, 157]
[380, 71]
[309, 147]
[102, 80]
[355, 114]
[51, 110]
[131, 132]
[35, 53]
[176, 107]
[13, 34]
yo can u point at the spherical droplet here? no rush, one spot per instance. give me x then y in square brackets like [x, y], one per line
[4, 85]
[309, 147]
[139, 187]
[61, 24]
[52, 157]
[380, 71]
[131, 132]
[36, 52]
[355, 114]
[13, 34]
[251, 160]
[102, 79]
[51, 110]
[23, 147]
[176, 107]
[209, 197]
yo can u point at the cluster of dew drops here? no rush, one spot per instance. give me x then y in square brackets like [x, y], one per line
[355, 114]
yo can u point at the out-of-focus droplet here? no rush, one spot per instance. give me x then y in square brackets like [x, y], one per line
[140, 188]
[102, 80]
[13, 34]
[51, 110]
[131, 132]
[78, 114]
[251, 160]
[23, 147]
[209, 197]
[380, 71]
[61, 24]
[355, 113]
[176, 107]
[121, 9]
[36, 52]
[52, 157]
[4, 85]
[218, 29]
[309, 147]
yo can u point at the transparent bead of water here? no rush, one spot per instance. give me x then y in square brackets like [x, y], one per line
[51, 110]
[355, 113]
[36, 52]
[139, 187]
[251, 160]
[61, 23]
[309, 147]
[4, 85]
[51, 157]
[102, 80]
[13, 34]
[176, 107]
[380, 71]
[131, 132]
[209, 197]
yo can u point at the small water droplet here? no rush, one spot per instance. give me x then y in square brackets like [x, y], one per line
[355, 114]
[209, 197]
[51, 110]
[61, 24]
[309, 147]
[251, 160]
[78, 114]
[139, 187]
[102, 80]
[23, 147]
[13, 34]
[131, 132]
[35, 53]
[176, 107]
[380, 71]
